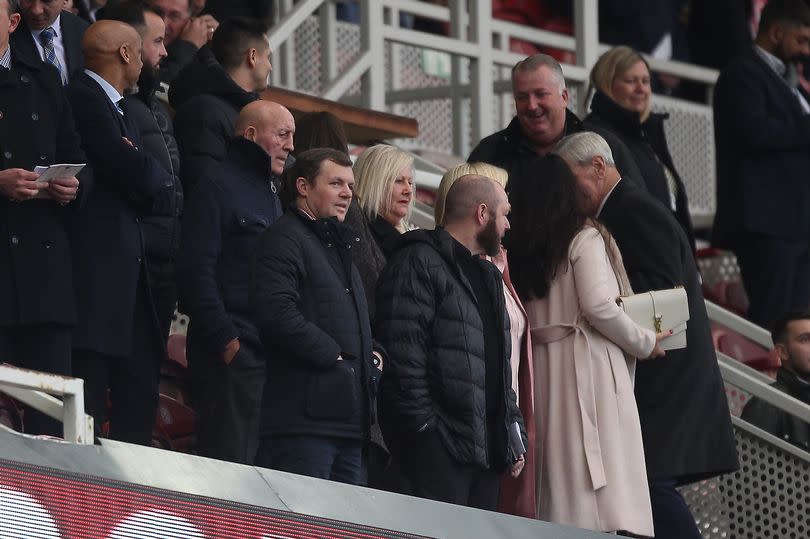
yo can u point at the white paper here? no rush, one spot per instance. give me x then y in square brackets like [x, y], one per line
[64, 170]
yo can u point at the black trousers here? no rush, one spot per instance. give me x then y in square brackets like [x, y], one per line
[671, 516]
[776, 275]
[132, 382]
[41, 347]
[228, 400]
[434, 474]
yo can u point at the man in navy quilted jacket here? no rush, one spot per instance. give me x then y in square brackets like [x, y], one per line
[225, 215]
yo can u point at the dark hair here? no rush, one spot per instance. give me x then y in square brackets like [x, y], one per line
[319, 130]
[795, 12]
[779, 328]
[307, 165]
[13, 6]
[234, 37]
[132, 12]
[546, 215]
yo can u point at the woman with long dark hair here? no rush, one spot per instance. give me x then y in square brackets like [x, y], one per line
[568, 271]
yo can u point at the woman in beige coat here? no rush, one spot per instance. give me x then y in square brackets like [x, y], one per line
[568, 270]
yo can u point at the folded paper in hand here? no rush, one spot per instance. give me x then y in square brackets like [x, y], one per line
[64, 170]
[516, 447]
[660, 310]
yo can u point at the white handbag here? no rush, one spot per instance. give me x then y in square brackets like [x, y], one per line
[660, 310]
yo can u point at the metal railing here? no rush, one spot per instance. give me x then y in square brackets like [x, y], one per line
[39, 390]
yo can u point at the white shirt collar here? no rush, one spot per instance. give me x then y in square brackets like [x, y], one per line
[607, 196]
[112, 93]
[773, 61]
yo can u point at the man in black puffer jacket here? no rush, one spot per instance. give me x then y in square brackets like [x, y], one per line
[446, 395]
[311, 312]
[209, 93]
[161, 234]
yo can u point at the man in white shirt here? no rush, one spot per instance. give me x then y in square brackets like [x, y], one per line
[52, 35]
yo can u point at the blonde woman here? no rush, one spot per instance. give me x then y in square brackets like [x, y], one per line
[517, 495]
[621, 112]
[383, 178]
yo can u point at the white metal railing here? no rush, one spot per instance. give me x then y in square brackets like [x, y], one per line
[475, 38]
[39, 390]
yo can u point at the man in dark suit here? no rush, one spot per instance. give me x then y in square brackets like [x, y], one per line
[117, 339]
[51, 35]
[684, 415]
[37, 309]
[762, 128]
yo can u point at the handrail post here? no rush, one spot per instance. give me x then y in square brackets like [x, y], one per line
[327, 18]
[483, 94]
[371, 40]
[459, 120]
[586, 34]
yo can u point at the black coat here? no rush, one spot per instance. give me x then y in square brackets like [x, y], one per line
[509, 146]
[36, 128]
[310, 307]
[643, 152]
[367, 254]
[684, 415]
[207, 101]
[773, 420]
[226, 214]
[73, 27]
[106, 237]
[763, 156]
[434, 377]
[154, 123]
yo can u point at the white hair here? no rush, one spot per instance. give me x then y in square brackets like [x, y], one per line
[581, 148]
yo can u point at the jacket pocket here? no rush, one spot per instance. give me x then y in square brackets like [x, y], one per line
[333, 394]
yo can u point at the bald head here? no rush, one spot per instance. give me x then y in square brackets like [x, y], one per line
[112, 49]
[467, 194]
[270, 126]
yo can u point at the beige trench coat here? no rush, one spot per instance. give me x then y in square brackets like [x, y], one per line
[590, 458]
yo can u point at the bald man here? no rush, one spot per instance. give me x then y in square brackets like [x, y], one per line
[117, 342]
[225, 214]
[447, 405]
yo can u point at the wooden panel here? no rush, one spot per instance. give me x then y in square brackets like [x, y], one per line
[362, 125]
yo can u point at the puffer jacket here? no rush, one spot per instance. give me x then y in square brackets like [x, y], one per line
[434, 377]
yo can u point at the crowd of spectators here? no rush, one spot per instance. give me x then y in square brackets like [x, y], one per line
[330, 338]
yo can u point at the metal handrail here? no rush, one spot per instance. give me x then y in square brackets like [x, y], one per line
[37, 389]
[739, 324]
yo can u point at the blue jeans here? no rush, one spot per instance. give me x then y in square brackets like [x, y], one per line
[337, 459]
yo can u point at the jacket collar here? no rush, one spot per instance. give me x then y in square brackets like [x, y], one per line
[795, 387]
[251, 157]
[514, 136]
[621, 120]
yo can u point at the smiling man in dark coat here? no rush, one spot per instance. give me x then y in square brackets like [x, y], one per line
[684, 415]
[311, 312]
[37, 309]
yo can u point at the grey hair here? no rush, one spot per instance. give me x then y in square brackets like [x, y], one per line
[581, 148]
[536, 61]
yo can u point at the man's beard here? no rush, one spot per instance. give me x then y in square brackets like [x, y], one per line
[148, 81]
[489, 239]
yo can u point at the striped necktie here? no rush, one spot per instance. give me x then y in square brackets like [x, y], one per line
[46, 38]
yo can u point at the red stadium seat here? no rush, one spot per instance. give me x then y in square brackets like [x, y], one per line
[748, 352]
[174, 425]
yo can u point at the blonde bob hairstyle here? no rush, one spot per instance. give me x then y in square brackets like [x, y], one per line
[482, 169]
[612, 65]
[375, 172]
